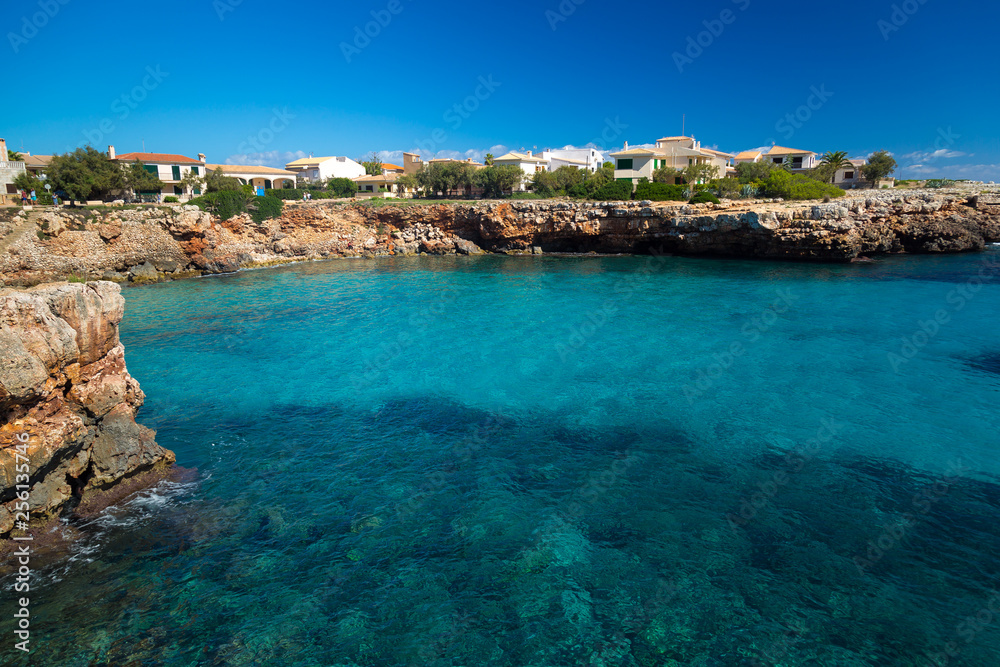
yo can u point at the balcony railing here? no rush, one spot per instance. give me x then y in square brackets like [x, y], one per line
[11, 165]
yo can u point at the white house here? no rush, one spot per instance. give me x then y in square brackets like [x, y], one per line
[590, 159]
[526, 162]
[168, 167]
[800, 159]
[850, 177]
[674, 152]
[8, 172]
[322, 169]
[748, 156]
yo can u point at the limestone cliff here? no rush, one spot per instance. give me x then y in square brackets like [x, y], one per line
[157, 243]
[66, 394]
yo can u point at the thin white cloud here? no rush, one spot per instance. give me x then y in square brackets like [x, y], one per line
[940, 154]
[266, 159]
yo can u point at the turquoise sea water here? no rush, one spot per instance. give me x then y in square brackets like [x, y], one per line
[554, 461]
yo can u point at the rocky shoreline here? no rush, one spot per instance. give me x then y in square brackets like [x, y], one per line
[69, 442]
[153, 244]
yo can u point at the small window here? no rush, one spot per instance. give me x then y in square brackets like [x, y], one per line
[178, 190]
[778, 160]
[625, 164]
[197, 191]
[151, 168]
[11, 190]
[848, 175]
[176, 172]
[194, 170]
[797, 162]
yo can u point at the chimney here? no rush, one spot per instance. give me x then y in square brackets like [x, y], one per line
[3, 150]
[201, 156]
[111, 152]
[626, 145]
[529, 153]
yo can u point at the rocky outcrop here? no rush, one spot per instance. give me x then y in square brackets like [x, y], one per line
[157, 243]
[68, 436]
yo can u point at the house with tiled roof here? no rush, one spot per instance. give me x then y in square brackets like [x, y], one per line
[589, 159]
[676, 153]
[381, 185]
[170, 168]
[260, 177]
[322, 169]
[527, 162]
[748, 156]
[36, 164]
[798, 159]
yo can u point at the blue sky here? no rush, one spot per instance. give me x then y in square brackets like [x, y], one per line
[261, 82]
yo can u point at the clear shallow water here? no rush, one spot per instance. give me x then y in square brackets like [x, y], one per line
[553, 461]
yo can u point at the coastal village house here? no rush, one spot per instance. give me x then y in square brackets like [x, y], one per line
[800, 160]
[526, 162]
[261, 178]
[36, 164]
[590, 159]
[168, 167]
[674, 152]
[322, 169]
[8, 172]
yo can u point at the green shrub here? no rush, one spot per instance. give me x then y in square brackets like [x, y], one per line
[578, 191]
[225, 203]
[341, 187]
[939, 183]
[614, 191]
[798, 187]
[659, 192]
[266, 208]
[171, 199]
[704, 197]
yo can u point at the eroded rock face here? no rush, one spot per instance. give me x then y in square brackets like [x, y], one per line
[153, 244]
[65, 387]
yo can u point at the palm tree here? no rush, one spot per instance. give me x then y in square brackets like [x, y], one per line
[489, 159]
[834, 162]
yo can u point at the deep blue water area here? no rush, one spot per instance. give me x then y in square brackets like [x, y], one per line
[554, 461]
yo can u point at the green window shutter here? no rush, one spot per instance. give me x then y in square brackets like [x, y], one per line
[194, 170]
[197, 191]
[625, 164]
[176, 172]
[151, 168]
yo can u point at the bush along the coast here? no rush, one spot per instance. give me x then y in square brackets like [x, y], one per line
[781, 183]
[614, 191]
[659, 192]
[704, 197]
[228, 203]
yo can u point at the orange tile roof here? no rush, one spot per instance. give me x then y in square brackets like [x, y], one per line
[158, 158]
[748, 155]
[391, 167]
